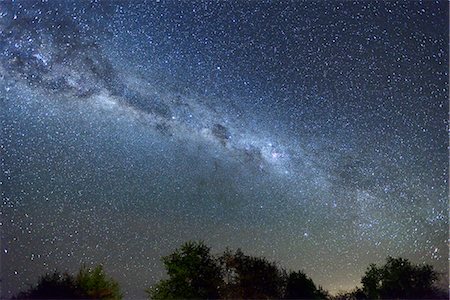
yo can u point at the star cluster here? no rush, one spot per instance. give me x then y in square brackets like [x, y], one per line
[311, 133]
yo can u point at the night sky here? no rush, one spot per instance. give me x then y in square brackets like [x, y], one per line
[311, 133]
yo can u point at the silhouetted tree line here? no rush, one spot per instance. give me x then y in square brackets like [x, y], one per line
[194, 273]
[87, 284]
[397, 279]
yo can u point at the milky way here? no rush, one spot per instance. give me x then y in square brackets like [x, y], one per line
[311, 133]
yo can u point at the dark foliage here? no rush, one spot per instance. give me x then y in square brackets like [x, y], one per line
[193, 274]
[400, 279]
[300, 286]
[196, 274]
[88, 284]
[250, 277]
[53, 286]
[356, 294]
[96, 285]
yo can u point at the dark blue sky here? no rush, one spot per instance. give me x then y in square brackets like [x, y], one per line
[312, 133]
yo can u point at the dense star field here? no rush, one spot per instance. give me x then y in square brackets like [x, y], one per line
[311, 133]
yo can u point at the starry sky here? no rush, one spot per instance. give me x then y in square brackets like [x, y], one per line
[312, 133]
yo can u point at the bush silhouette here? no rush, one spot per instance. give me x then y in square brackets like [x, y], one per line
[88, 284]
[53, 286]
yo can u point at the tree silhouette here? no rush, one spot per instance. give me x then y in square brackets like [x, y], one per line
[193, 273]
[300, 286]
[400, 279]
[250, 277]
[196, 274]
[88, 284]
[53, 286]
[96, 285]
[355, 294]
